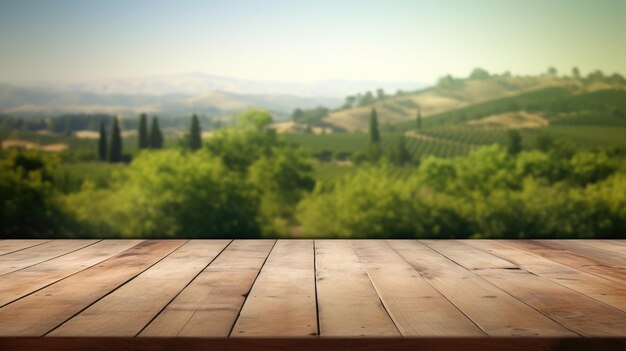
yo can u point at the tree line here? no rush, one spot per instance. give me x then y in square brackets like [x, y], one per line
[111, 149]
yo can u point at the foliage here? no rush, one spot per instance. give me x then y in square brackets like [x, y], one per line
[156, 137]
[115, 151]
[514, 142]
[244, 183]
[311, 116]
[29, 206]
[374, 133]
[195, 134]
[102, 142]
[142, 133]
[167, 194]
[489, 193]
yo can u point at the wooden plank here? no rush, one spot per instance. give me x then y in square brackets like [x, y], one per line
[598, 288]
[42, 311]
[572, 310]
[494, 311]
[23, 282]
[127, 310]
[596, 249]
[40, 253]
[348, 304]
[416, 308]
[472, 259]
[209, 306]
[610, 245]
[572, 259]
[282, 300]
[12, 245]
[616, 241]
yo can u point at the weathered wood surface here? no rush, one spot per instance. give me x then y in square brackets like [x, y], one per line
[551, 290]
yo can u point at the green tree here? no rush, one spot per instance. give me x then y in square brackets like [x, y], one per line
[115, 151]
[29, 205]
[171, 194]
[576, 72]
[195, 134]
[144, 142]
[156, 137]
[297, 115]
[419, 118]
[374, 132]
[552, 72]
[401, 155]
[374, 149]
[367, 99]
[240, 146]
[350, 100]
[281, 179]
[480, 74]
[102, 142]
[380, 94]
[514, 142]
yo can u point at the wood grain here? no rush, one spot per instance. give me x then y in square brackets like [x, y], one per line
[336, 290]
[572, 310]
[598, 288]
[25, 258]
[209, 306]
[348, 304]
[472, 259]
[127, 310]
[42, 311]
[282, 301]
[12, 245]
[572, 259]
[416, 308]
[494, 311]
[605, 252]
[20, 283]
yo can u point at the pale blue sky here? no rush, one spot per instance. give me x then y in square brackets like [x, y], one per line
[299, 40]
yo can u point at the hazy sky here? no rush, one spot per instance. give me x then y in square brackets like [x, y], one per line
[306, 40]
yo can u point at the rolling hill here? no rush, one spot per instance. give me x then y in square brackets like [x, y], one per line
[455, 95]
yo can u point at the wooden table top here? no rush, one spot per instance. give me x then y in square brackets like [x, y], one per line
[558, 289]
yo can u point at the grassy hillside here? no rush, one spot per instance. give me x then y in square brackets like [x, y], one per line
[444, 97]
[583, 115]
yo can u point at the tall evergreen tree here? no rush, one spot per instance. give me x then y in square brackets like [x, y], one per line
[102, 142]
[514, 142]
[144, 143]
[195, 134]
[115, 151]
[402, 154]
[374, 149]
[156, 137]
[419, 118]
[374, 133]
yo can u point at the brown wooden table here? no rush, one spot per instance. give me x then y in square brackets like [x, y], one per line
[313, 294]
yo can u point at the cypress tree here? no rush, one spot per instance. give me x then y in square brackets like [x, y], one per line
[195, 134]
[143, 132]
[156, 137]
[374, 133]
[419, 118]
[102, 143]
[115, 151]
[514, 142]
[402, 153]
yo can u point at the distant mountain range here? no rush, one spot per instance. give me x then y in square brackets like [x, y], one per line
[180, 94]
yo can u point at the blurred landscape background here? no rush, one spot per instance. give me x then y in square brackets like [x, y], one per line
[455, 119]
